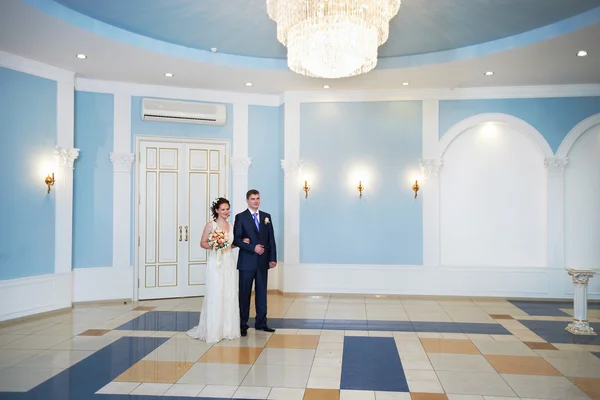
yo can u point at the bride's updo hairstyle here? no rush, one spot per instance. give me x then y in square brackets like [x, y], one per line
[216, 204]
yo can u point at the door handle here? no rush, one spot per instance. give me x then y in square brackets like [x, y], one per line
[180, 233]
[186, 233]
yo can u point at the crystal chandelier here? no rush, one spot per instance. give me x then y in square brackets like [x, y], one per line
[332, 38]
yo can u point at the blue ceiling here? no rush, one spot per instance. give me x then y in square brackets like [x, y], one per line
[242, 27]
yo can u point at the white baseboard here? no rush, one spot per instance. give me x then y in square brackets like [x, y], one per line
[104, 283]
[28, 296]
[512, 282]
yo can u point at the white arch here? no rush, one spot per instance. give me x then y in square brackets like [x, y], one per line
[575, 133]
[517, 123]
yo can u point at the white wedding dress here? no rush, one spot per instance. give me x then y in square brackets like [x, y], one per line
[220, 315]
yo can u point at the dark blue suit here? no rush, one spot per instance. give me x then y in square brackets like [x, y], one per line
[253, 267]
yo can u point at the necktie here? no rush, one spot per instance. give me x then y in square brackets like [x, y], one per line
[255, 215]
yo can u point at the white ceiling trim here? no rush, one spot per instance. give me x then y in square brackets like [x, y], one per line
[36, 68]
[507, 92]
[171, 92]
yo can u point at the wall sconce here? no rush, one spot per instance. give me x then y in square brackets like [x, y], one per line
[360, 188]
[306, 188]
[49, 181]
[416, 188]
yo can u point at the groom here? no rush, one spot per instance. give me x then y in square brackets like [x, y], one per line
[255, 259]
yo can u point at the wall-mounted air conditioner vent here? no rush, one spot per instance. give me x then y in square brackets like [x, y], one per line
[186, 112]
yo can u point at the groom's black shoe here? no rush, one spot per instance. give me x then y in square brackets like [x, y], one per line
[266, 329]
[244, 332]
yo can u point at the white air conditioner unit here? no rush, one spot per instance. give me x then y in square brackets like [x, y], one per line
[186, 112]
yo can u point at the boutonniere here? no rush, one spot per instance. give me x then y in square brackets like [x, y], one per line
[267, 221]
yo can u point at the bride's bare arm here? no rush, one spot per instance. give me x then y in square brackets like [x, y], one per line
[204, 240]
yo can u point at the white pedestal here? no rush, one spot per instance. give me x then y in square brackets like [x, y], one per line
[580, 324]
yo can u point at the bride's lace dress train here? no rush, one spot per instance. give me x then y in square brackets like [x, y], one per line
[220, 315]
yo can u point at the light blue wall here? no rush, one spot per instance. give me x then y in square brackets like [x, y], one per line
[552, 117]
[265, 174]
[27, 140]
[140, 127]
[385, 226]
[93, 181]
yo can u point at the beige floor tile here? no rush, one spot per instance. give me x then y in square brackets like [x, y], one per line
[219, 391]
[476, 383]
[321, 394]
[155, 372]
[544, 387]
[591, 386]
[293, 341]
[504, 348]
[119, 388]
[521, 365]
[357, 395]
[184, 390]
[151, 389]
[252, 392]
[460, 362]
[451, 346]
[585, 366]
[286, 394]
[215, 374]
[290, 376]
[231, 355]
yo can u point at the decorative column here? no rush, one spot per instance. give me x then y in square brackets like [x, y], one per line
[555, 212]
[241, 166]
[580, 325]
[64, 208]
[291, 165]
[121, 208]
[240, 162]
[431, 210]
[122, 159]
[431, 164]
[291, 223]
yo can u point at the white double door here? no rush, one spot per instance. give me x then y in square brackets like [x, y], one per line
[177, 182]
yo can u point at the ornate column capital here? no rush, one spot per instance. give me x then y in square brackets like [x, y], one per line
[291, 168]
[581, 276]
[431, 167]
[66, 156]
[122, 161]
[241, 165]
[555, 165]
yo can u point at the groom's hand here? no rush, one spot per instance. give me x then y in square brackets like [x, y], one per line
[272, 264]
[259, 249]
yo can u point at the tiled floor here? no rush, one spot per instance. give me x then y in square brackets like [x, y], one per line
[325, 347]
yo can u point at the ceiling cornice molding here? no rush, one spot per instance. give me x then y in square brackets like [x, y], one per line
[172, 92]
[36, 68]
[507, 92]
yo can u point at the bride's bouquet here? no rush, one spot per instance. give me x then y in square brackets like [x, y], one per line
[218, 240]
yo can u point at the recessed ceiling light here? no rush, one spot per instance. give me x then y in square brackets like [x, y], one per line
[488, 73]
[213, 49]
[81, 56]
[248, 83]
[326, 87]
[169, 75]
[405, 83]
[582, 53]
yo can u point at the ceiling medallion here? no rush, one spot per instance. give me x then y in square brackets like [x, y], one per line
[332, 38]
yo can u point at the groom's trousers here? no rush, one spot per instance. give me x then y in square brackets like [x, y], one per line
[259, 277]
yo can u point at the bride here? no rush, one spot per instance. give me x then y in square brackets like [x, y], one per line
[220, 316]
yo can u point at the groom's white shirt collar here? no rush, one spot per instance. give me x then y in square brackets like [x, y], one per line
[252, 212]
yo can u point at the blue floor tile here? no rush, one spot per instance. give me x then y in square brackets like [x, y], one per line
[548, 308]
[343, 324]
[372, 363]
[554, 332]
[440, 327]
[489, 329]
[82, 380]
[395, 326]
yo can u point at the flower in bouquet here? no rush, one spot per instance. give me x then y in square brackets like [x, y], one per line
[218, 240]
